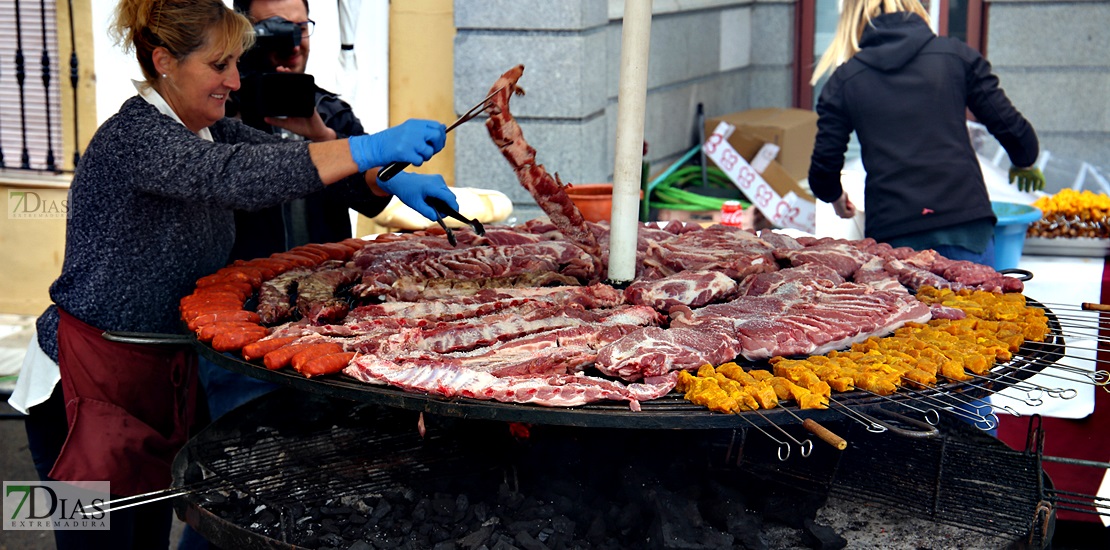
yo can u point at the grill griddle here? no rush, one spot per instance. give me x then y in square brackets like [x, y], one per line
[669, 412]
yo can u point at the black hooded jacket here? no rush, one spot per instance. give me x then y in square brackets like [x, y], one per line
[906, 94]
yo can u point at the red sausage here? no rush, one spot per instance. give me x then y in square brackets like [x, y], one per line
[259, 349]
[281, 357]
[207, 332]
[327, 364]
[313, 351]
[235, 340]
[223, 316]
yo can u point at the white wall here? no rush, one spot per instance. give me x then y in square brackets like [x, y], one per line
[370, 99]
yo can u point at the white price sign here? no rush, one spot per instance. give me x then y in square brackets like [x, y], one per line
[791, 211]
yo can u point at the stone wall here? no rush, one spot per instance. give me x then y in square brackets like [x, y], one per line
[1053, 60]
[728, 55]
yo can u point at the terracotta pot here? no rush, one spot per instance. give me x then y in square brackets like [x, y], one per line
[594, 200]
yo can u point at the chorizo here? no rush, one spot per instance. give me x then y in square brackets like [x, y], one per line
[281, 357]
[223, 316]
[259, 349]
[327, 364]
[207, 332]
[234, 340]
[313, 351]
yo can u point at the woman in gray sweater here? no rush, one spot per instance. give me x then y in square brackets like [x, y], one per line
[151, 212]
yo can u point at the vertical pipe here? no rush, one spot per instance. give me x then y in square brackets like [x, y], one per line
[627, 168]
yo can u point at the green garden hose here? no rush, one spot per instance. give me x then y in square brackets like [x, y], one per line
[672, 191]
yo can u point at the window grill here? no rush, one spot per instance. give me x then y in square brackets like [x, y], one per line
[30, 88]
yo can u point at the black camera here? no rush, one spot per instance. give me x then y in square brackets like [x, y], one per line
[276, 35]
[264, 92]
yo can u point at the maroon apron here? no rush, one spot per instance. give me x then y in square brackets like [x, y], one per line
[129, 406]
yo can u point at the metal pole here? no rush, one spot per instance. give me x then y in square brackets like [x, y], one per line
[627, 169]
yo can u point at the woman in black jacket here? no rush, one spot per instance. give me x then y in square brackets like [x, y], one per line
[905, 92]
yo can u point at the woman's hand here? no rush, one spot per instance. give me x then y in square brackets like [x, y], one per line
[413, 189]
[311, 128]
[844, 207]
[413, 141]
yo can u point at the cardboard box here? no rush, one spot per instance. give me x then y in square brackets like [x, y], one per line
[794, 130]
[775, 174]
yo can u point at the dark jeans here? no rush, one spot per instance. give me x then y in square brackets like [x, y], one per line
[140, 527]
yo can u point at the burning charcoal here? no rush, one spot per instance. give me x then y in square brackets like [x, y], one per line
[821, 537]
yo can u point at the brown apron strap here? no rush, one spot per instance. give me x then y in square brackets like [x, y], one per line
[129, 408]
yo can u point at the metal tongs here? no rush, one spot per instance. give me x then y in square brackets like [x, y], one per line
[395, 168]
[444, 209]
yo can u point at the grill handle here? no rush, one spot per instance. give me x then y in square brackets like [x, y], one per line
[1021, 274]
[927, 430]
[148, 338]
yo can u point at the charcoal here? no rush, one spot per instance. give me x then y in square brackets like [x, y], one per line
[476, 539]
[528, 526]
[420, 511]
[380, 511]
[679, 525]
[822, 537]
[333, 539]
[335, 510]
[444, 545]
[562, 524]
[504, 543]
[356, 519]
[462, 507]
[360, 545]
[527, 542]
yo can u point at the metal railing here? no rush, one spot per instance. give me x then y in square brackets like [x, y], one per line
[31, 104]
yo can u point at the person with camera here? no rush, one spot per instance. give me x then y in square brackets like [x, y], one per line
[277, 97]
[150, 212]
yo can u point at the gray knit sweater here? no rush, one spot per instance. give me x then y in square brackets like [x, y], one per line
[151, 212]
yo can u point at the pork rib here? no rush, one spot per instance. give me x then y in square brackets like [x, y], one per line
[546, 189]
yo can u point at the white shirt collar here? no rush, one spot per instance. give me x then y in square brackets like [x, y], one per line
[154, 98]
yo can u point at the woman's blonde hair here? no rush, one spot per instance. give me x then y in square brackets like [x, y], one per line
[854, 15]
[180, 26]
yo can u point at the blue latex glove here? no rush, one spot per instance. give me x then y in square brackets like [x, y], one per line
[413, 188]
[413, 141]
[1027, 179]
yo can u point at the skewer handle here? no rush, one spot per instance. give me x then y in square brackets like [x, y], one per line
[824, 434]
[1095, 307]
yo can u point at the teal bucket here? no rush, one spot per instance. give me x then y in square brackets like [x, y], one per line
[1009, 233]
